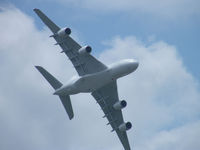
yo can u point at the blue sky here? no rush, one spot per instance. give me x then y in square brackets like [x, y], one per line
[95, 26]
[163, 95]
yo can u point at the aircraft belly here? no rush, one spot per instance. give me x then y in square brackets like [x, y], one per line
[93, 82]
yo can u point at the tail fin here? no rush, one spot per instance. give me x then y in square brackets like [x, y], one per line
[65, 99]
[51, 79]
[68, 106]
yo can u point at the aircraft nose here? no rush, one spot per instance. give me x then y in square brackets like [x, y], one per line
[132, 64]
[136, 64]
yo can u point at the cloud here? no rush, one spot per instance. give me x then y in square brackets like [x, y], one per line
[183, 138]
[166, 9]
[163, 97]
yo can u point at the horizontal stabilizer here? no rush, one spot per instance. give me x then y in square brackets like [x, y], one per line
[65, 99]
[52, 26]
[51, 79]
[67, 105]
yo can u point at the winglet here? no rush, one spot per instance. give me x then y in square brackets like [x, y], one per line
[52, 26]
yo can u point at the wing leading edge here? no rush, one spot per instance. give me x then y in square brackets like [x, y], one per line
[106, 97]
[84, 64]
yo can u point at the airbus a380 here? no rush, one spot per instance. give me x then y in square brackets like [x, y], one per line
[94, 77]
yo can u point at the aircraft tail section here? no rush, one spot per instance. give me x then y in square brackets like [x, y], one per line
[67, 105]
[51, 79]
[65, 99]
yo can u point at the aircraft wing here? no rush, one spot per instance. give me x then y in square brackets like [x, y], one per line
[84, 64]
[106, 97]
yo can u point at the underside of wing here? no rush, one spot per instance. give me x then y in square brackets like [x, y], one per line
[84, 63]
[107, 97]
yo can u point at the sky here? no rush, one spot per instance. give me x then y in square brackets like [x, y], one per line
[163, 95]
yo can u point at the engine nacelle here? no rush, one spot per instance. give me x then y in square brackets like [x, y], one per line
[85, 50]
[119, 105]
[125, 126]
[64, 31]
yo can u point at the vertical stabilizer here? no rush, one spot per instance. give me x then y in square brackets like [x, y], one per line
[65, 99]
[68, 106]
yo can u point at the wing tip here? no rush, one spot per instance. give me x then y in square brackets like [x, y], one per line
[38, 67]
[36, 9]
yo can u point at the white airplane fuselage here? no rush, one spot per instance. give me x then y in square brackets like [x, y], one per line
[91, 82]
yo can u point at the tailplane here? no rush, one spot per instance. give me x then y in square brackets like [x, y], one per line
[51, 79]
[65, 99]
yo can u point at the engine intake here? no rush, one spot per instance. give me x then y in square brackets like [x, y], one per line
[64, 31]
[125, 126]
[120, 105]
[85, 50]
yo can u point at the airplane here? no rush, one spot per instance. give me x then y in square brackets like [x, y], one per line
[93, 77]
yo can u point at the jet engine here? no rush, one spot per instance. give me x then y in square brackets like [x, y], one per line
[85, 50]
[64, 31]
[125, 126]
[119, 105]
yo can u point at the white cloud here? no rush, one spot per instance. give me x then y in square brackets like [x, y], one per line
[163, 97]
[185, 137]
